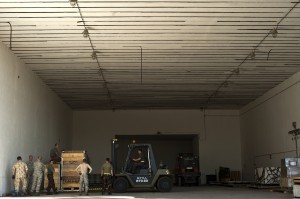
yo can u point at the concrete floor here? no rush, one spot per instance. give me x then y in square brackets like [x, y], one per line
[202, 192]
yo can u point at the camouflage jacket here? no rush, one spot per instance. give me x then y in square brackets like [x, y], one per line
[20, 169]
[30, 166]
[38, 168]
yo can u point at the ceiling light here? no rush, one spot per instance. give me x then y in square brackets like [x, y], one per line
[225, 84]
[252, 54]
[94, 55]
[85, 33]
[274, 32]
[73, 2]
[237, 71]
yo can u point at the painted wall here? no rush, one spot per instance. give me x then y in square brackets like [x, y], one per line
[219, 138]
[32, 117]
[265, 124]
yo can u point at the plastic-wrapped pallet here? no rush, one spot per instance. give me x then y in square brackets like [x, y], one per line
[70, 160]
[56, 176]
[267, 175]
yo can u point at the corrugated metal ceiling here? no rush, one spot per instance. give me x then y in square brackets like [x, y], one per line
[155, 54]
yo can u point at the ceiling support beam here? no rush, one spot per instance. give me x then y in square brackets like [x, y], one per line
[97, 60]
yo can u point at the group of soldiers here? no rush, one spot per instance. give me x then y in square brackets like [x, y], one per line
[30, 175]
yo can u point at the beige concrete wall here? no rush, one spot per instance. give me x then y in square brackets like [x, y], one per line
[32, 117]
[265, 124]
[219, 138]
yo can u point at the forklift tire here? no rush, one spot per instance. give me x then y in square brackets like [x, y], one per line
[180, 182]
[164, 184]
[120, 185]
[199, 181]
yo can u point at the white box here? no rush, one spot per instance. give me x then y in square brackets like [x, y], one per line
[296, 190]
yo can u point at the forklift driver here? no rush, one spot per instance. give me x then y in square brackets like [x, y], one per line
[137, 162]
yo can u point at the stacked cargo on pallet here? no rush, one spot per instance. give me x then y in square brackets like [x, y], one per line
[70, 161]
[267, 175]
[56, 176]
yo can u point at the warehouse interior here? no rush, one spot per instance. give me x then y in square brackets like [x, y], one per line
[218, 77]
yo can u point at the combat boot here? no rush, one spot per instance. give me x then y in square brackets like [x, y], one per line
[14, 194]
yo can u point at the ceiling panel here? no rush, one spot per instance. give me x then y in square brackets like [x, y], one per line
[166, 54]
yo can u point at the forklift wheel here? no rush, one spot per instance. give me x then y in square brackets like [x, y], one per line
[120, 185]
[180, 182]
[164, 184]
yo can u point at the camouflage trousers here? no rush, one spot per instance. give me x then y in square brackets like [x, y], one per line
[84, 181]
[19, 181]
[36, 182]
[29, 180]
[106, 186]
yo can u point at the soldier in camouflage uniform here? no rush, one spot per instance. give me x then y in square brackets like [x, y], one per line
[38, 171]
[83, 169]
[29, 173]
[19, 172]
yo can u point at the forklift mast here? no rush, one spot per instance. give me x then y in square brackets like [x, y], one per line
[114, 147]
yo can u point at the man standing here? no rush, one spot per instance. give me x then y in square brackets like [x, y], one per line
[55, 154]
[38, 171]
[106, 173]
[82, 169]
[29, 164]
[19, 172]
[51, 183]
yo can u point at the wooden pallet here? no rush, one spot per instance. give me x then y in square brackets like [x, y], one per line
[65, 189]
[282, 190]
[70, 186]
[235, 176]
[264, 186]
[70, 177]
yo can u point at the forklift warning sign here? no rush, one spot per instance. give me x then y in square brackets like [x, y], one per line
[141, 179]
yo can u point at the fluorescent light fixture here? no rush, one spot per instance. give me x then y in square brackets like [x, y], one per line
[274, 32]
[94, 55]
[85, 33]
[252, 54]
[73, 2]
